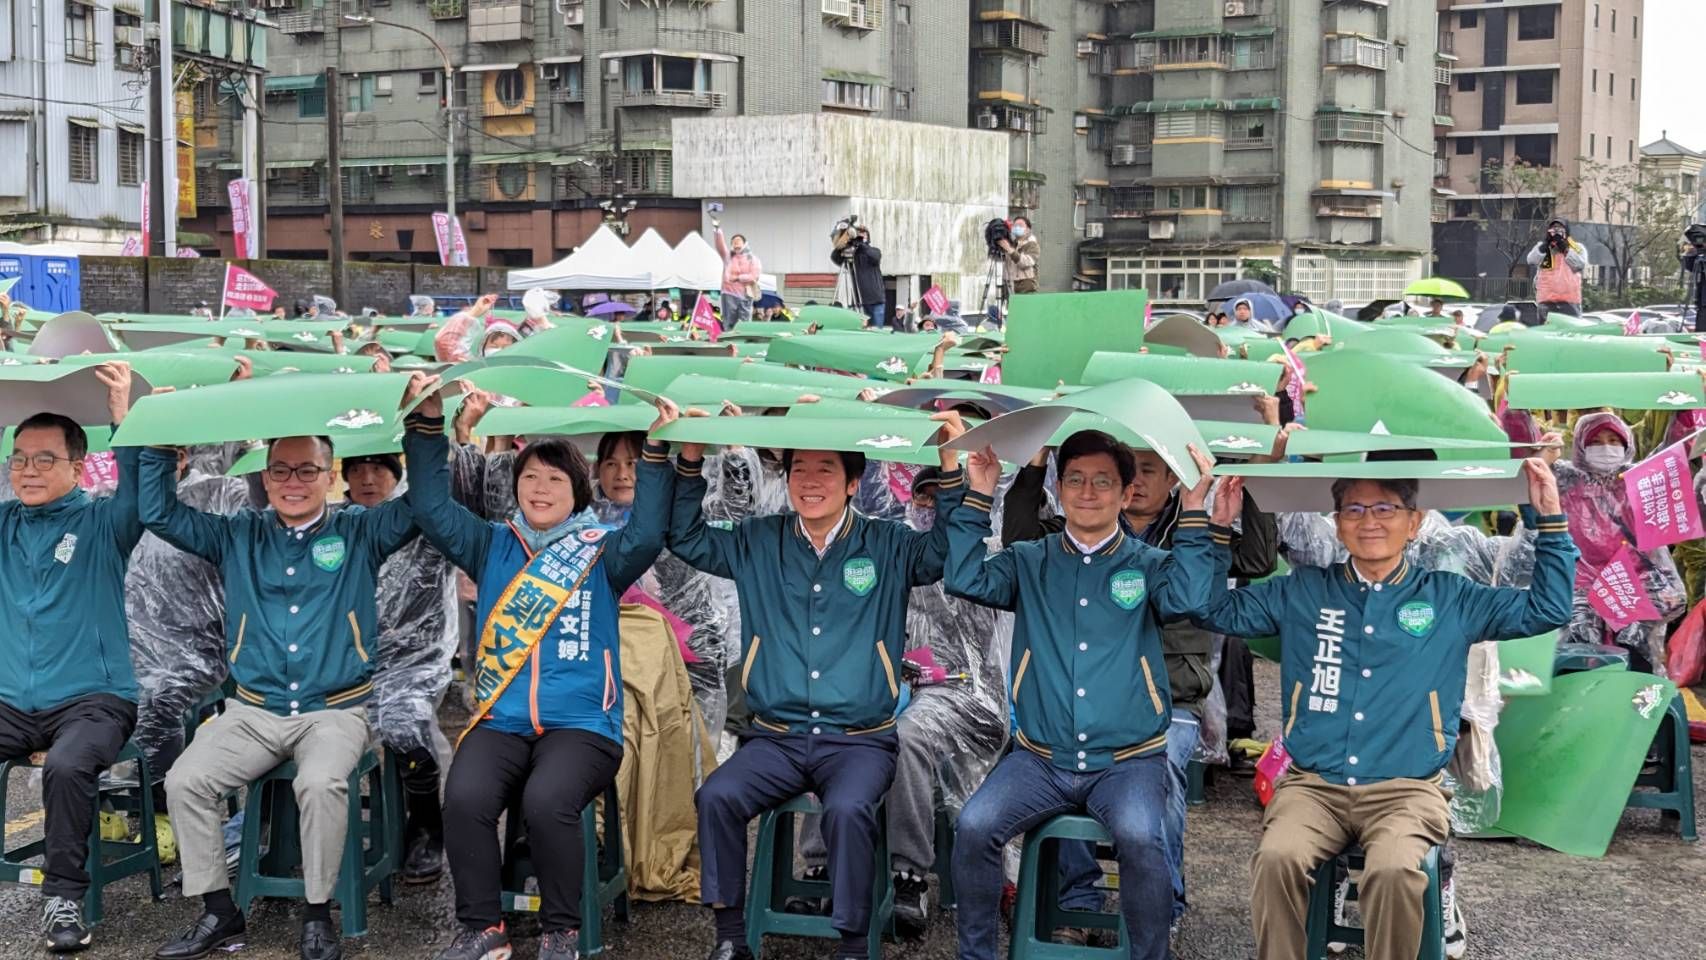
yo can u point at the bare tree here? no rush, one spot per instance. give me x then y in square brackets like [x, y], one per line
[1642, 218]
[1523, 197]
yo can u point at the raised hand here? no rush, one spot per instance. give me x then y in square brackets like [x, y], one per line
[1195, 497]
[116, 376]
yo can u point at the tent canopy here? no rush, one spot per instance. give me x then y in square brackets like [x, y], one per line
[698, 266]
[603, 262]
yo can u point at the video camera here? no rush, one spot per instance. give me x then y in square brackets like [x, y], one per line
[1696, 236]
[844, 231]
[994, 233]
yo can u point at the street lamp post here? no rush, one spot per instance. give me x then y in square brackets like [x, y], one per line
[449, 113]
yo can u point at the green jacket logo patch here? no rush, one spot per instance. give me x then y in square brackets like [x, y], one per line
[1126, 587]
[328, 553]
[860, 575]
[1416, 617]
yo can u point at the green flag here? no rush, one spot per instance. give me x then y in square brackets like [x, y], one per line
[1620, 391]
[1585, 354]
[831, 318]
[1525, 665]
[1051, 336]
[1370, 393]
[74, 391]
[303, 404]
[578, 343]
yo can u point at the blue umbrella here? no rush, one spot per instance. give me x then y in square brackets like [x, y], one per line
[767, 301]
[1263, 306]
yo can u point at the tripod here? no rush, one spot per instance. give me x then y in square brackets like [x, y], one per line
[1695, 265]
[994, 289]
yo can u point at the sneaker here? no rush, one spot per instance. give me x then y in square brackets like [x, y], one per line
[1456, 931]
[210, 932]
[911, 904]
[560, 945]
[491, 943]
[812, 906]
[424, 861]
[62, 923]
[729, 950]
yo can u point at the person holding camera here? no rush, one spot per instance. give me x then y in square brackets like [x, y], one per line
[741, 271]
[864, 263]
[1022, 251]
[1558, 261]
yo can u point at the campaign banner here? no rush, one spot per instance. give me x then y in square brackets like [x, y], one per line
[1661, 498]
[936, 300]
[242, 224]
[188, 253]
[1632, 324]
[991, 374]
[706, 319]
[100, 473]
[452, 245]
[132, 247]
[1617, 593]
[244, 289]
[147, 227]
[1294, 388]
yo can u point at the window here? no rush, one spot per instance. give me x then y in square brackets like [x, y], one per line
[85, 151]
[1595, 19]
[1251, 53]
[311, 103]
[1181, 50]
[1356, 51]
[1593, 83]
[903, 100]
[428, 81]
[1635, 26]
[1537, 23]
[1612, 83]
[1632, 95]
[130, 145]
[1466, 83]
[566, 83]
[359, 92]
[1631, 151]
[1184, 198]
[1608, 148]
[80, 33]
[1465, 146]
[1462, 209]
[1590, 208]
[1591, 145]
[851, 95]
[1468, 21]
[903, 13]
[510, 87]
[1184, 125]
[1613, 19]
[1248, 130]
[382, 85]
[681, 74]
[1533, 149]
[1247, 204]
[1534, 86]
[1352, 128]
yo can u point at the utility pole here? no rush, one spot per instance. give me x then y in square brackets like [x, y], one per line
[335, 180]
[164, 181]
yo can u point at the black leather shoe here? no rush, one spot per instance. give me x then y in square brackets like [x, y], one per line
[424, 861]
[320, 941]
[729, 950]
[209, 933]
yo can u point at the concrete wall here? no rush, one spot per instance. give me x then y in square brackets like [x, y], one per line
[173, 285]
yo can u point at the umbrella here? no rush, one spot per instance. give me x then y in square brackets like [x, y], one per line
[1264, 306]
[770, 299]
[1374, 309]
[609, 307]
[1436, 287]
[1232, 289]
[1292, 300]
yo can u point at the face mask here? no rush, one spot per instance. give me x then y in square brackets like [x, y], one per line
[1604, 459]
[1019, 231]
[919, 518]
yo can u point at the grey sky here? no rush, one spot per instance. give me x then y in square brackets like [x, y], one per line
[1673, 93]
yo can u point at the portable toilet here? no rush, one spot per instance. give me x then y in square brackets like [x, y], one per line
[50, 275]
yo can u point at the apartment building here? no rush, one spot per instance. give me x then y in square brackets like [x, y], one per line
[561, 109]
[1679, 170]
[1551, 88]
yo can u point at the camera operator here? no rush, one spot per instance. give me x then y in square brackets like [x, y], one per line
[1692, 251]
[1022, 251]
[1558, 262]
[865, 263]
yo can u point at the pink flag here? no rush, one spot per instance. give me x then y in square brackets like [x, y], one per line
[100, 473]
[991, 374]
[242, 236]
[452, 246]
[146, 226]
[1661, 498]
[132, 247]
[1632, 325]
[1617, 594]
[593, 398]
[936, 300]
[188, 253]
[1294, 389]
[244, 289]
[706, 319]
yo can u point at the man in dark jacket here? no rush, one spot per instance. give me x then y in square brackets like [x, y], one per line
[66, 683]
[864, 264]
[1153, 517]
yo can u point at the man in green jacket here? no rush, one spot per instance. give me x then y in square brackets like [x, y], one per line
[823, 595]
[1088, 683]
[1373, 658]
[66, 683]
[300, 622]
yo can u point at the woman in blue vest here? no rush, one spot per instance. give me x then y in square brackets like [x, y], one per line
[547, 678]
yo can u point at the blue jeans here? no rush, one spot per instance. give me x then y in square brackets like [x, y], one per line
[1024, 791]
[878, 312]
[1078, 868]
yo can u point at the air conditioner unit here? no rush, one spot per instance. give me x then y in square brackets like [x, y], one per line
[277, 4]
[1093, 230]
[1086, 48]
[550, 71]
[1123, 154]
[382, 172]
[856, 14]
[838, 8]
[574, 14]
[1080, 122]
[613, 68]
[418, 169]
[987, 120]
[1235, 8]
[1161, 229]
[128, 36]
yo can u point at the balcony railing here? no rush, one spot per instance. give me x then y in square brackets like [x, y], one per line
[1012, 35]
[1350, 129]
[673, 99]
[497, 110]
[1129, 154]
[1442, 167]
[567, 95]
[1442, 74]
[447, 9]
[306, 22]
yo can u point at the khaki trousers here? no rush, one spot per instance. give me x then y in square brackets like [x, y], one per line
[1310, 820]
[241, 744]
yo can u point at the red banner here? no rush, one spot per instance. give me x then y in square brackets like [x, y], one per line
[1618, 595]
[936, 300]
[242, 225]
[244, 289]
[452, 246]
[1661, 498]
[706, 319]
[145, 224]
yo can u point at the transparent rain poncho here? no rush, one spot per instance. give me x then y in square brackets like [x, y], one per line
[175, 604]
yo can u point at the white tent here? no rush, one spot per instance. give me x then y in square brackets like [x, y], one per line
[698, 266]
[603, 262]
[654, 253]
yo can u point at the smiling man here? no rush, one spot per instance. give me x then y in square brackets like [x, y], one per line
[66, 683]
[823, 596]
[300, 621]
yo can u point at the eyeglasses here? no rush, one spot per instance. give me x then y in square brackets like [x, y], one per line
[1101, 482]
[307, 472]
[1381, 511]
[42, 461]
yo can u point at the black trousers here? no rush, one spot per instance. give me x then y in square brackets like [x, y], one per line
[850, 775]
[1238, 683]
[82, 737]
[556, 774]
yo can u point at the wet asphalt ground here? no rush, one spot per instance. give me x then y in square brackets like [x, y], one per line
[1646, 900]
